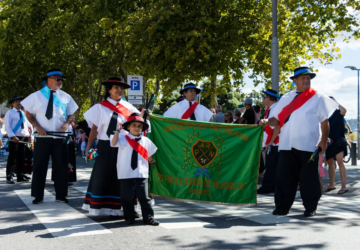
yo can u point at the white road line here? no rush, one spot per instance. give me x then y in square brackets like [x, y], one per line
[168, 219]
[249, 213]
[60, 219]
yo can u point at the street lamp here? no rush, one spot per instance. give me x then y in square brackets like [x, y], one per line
[358, 109]
[274, 49]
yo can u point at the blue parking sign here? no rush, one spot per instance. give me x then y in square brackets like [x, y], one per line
[135, 84]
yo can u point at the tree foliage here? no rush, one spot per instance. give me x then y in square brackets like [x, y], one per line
[168, 42]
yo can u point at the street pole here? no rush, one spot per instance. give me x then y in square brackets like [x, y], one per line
[358, 146]
[274, 49]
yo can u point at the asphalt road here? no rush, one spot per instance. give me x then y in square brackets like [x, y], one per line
[184, 225]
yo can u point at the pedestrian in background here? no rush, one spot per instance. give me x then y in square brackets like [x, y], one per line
[228, 117]
[257, 110]
[249, 115]
[219, 117]
[237, 115]
[337, 149]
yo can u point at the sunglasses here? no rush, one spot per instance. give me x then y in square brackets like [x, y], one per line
[58, 78]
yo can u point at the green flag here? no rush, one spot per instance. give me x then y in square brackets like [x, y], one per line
[206, 162]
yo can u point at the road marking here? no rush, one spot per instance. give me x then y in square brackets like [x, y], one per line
[60, 219]
[168, 219]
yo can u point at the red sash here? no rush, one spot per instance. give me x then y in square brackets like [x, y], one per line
[295, 104]
[190, 111]
[73, 125]
[269, 131]
[266, 113]
[119, 108]
[137, 147]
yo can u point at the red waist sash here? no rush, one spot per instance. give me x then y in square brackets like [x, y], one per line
[269, 131]
[119, 108]
[138, 147]
[190, 111]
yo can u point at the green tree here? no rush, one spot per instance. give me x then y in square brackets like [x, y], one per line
[176, 41]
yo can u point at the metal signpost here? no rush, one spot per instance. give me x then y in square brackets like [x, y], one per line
[136, 90]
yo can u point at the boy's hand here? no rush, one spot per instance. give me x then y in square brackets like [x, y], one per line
[119, 127]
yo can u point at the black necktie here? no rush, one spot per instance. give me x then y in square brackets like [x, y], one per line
[297, 94]
[192, 117]
[49, 110]
[134, 157]
[112, 124]
[22, 124]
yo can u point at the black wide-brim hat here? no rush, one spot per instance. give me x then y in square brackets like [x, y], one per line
[114, 80]
[53, 72]
[271, 92]
[16, 98]
[135, 117]
[190, 86]
[302, 71]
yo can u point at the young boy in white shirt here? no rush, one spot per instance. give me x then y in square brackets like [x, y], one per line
[135, 153]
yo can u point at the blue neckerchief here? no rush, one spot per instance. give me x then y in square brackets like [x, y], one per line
[57, 102]
[17, 126]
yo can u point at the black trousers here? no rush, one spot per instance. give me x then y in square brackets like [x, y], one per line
[16, 156]
[293, 167]
[268, 183]
[142, 192]
[262, 165]
[43, 148]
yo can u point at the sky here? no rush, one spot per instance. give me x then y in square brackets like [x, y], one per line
[334, 80]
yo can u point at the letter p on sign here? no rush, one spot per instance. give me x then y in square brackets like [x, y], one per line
[135, 85]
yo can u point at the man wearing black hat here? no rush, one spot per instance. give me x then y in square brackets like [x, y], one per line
[300, 114]
[50, 110]
[270, 144]
[16, 129]
[189, 108]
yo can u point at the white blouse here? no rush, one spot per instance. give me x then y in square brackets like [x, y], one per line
[100, 116]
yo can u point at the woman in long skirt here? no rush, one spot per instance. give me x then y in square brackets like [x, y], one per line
[103, 193]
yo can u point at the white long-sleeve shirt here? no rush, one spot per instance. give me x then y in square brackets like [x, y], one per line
[12, 118]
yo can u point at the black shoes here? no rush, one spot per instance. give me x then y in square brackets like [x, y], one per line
[129, 221]
[26, 177]
[21, 178]
[37, 201]
[280, 212]
[62, 199]
[152, 222]
[10, 180]
[308, 213]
